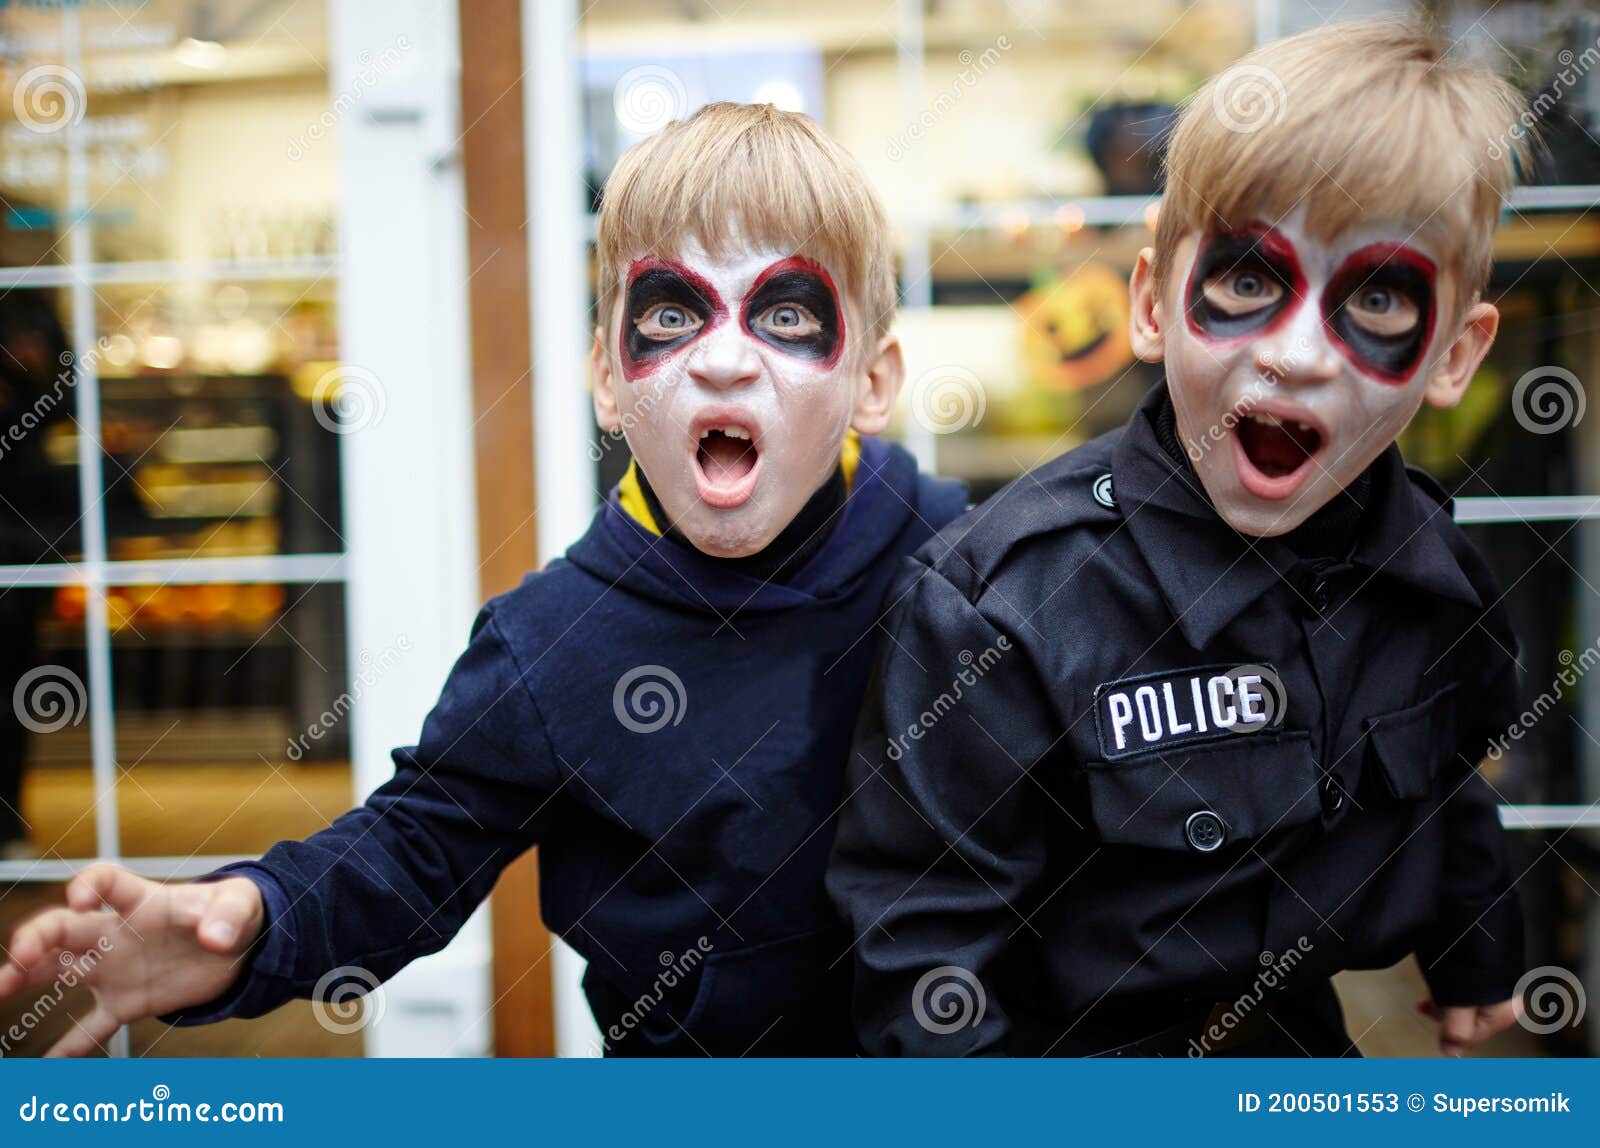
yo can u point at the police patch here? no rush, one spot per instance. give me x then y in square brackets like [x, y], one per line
[1178, 707]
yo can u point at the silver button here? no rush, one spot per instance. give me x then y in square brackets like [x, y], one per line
[1205, 831]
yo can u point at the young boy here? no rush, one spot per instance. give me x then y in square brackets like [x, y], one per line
[666, 711]
[1239, 665]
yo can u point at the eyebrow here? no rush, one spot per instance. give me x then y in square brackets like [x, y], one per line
[697, 283]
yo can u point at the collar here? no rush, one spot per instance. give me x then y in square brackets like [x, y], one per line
[1209, 573]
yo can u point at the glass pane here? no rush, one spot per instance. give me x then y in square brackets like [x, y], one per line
[221, 415]
[46, 100]
[211, 139]
[231, 703]
[39, 501]
[47, 798]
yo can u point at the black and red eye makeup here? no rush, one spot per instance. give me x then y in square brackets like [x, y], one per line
[1393, 274]
[679, 297]
[802, 292]
[1241, 266]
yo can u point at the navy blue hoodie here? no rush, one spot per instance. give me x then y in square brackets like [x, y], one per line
[672, 734]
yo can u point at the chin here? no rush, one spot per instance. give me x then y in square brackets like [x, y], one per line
[720, 535]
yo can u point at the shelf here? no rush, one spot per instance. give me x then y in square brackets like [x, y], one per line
[295, 270]
[289, 568]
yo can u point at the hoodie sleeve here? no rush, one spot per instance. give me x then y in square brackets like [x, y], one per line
[396, 878]
[940, 844]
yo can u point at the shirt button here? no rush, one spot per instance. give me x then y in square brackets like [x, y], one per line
[1332, 795]
[1205, 831]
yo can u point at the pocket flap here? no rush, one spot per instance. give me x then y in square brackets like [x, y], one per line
[1252, 785]
[1408, 744]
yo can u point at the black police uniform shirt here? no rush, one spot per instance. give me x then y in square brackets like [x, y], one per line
[670, 730]
[1117, 759]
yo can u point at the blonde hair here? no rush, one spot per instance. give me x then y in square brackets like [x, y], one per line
[1359, 120]
[753, 174]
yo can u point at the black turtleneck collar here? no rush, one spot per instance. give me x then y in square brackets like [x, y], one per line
[1329, 533]
[790, 550]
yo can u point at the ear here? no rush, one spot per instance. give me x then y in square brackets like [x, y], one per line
[880, 386]
[606, 412]
[1456, 367]
[1144, 305]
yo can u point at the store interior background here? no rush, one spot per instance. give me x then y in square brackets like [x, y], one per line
[200, 244]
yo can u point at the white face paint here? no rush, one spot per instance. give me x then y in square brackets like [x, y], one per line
[1293, 363]
[733, 379]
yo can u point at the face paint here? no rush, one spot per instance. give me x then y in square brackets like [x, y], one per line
[666, 307]
[735, 424]
[1281, 403]
[1379, 306]
[794, 307]
[1243, 283]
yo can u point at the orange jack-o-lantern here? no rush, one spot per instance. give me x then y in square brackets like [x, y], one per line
[1075, 329]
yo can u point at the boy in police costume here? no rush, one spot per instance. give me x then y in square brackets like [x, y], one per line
[1251, 663]
[666, 711]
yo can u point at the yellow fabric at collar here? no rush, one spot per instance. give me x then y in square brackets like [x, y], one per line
[634, 505]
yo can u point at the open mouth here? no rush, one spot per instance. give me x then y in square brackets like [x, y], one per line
[726, 461]
[1275, 453]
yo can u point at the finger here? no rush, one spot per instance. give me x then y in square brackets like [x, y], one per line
[107, 884]
[88, 1035]
[15, 979]
[233, 917]
[1458, 1028]
[56, 929]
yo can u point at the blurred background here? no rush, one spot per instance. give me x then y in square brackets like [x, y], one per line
[293, 306]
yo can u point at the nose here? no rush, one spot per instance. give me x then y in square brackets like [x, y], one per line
[724, 359]
[1300, 352]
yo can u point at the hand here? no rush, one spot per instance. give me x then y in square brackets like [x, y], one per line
[1462, 1027]
[160, 948]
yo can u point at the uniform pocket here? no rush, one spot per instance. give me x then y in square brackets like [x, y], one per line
[1200, 799]
[1408, 745]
